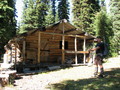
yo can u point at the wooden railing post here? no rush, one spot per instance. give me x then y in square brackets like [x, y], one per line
[76, 62]
[63, 49]
[84, 49]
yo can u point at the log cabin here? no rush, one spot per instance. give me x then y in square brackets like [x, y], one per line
[53, 44]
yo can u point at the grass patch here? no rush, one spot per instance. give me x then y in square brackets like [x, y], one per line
[110, 82]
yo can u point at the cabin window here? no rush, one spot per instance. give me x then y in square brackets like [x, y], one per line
[66, 45]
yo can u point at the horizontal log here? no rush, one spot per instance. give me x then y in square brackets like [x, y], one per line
[55, 53]
[76, 52]
[64, 35]
[59, 53]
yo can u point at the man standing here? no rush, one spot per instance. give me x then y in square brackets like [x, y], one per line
[99, 48]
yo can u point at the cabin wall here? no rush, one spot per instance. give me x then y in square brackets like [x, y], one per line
[50, 48]
[31, 48]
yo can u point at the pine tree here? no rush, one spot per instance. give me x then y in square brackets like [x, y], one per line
[95, 7]
[29, 16]
[54, 9]
[115, 14]
[63, 9]
[50, 17]
[83, 11]
[7, 22]
[41, 12]
[34, 14]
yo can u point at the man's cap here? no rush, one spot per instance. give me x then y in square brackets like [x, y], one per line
[99, 37]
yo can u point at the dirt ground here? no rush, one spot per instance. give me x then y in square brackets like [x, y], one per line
[44, 80]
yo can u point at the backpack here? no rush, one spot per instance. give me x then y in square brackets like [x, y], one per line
[106, 50]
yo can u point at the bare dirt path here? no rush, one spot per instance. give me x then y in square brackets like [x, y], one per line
[42, 81]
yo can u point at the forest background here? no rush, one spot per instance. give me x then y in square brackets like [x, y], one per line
[90, 16]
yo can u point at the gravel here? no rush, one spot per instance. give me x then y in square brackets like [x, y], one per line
[43, 80]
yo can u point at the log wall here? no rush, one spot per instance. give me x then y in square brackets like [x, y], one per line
[50, 50]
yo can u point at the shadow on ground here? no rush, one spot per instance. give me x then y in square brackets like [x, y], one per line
[111, 81]
[40, 71]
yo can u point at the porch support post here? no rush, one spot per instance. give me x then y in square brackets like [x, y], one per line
[76, 62]
[63, 43]
[15, 53]
[39, 45]
[24, 50]
[84, 49]
[63, 49]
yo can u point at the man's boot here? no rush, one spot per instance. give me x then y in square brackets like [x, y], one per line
[101, 73]
[96, 72]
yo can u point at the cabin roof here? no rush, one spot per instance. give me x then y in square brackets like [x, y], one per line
[68, 29]
[63, 27]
